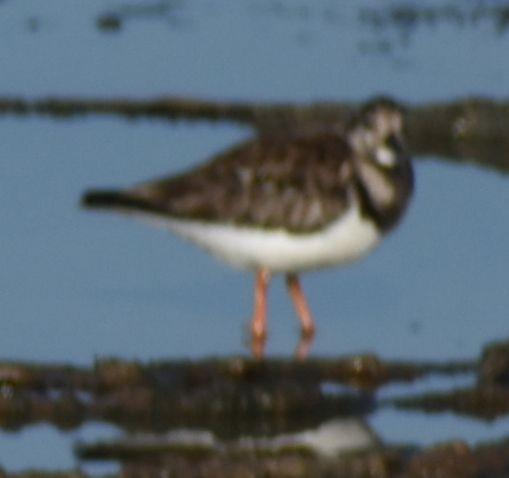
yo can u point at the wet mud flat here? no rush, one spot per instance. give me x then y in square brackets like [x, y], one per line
[469, 129]
[239, 417]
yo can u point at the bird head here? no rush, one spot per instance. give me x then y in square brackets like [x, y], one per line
[375, 133]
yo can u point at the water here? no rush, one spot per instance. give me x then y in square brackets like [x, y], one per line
[76, 285]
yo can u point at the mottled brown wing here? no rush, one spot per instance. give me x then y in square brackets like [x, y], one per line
[299, 184]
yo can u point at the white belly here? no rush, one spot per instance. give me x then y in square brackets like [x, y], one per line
[343, 241]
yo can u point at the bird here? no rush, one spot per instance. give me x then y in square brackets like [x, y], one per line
[284, 204]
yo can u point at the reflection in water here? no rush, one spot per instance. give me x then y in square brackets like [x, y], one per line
[337, 436]
[283, 412]
[329, 439]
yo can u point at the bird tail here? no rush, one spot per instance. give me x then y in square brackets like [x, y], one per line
[110, 199]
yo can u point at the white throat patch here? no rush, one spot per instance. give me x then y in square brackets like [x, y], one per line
[385, 157]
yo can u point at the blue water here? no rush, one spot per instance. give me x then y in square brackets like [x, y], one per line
[76, 285]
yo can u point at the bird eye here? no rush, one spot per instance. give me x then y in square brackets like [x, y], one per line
[394, 143]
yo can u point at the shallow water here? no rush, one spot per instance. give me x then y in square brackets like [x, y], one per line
[77, 285]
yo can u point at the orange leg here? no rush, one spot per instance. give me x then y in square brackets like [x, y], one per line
[307, 325]
[259, 320]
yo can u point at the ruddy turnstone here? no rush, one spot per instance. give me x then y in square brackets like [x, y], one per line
[286, 204]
